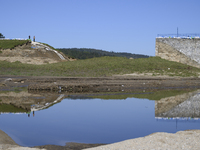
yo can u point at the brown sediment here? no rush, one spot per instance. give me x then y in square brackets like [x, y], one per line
[99, 84]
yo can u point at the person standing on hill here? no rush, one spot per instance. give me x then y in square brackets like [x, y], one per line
[29, 37]
[34, 39]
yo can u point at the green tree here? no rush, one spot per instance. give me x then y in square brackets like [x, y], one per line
[1, 35]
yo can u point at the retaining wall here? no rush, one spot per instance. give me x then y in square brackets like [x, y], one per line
[186, 51]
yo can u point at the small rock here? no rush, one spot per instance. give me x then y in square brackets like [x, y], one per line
[9, 79]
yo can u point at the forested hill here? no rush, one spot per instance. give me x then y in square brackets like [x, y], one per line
[85, 53]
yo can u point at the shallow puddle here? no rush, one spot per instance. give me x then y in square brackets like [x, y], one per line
[98, 120]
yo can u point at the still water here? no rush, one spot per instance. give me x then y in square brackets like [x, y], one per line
[96, 120]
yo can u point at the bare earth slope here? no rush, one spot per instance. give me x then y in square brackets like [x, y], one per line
[32, 53]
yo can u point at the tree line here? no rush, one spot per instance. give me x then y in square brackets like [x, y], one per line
[85, 53]
[1, 35]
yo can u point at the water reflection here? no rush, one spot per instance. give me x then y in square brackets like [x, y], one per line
[26, 103]
[95, 118]
[180, 107]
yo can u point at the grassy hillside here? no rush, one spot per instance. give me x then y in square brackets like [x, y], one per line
[10, 108]
[10, 44]
[151, 95]
[102, 66]
[85, 53]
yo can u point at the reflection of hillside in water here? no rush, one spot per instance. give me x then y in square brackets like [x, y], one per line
[181, 106]
[22, 102]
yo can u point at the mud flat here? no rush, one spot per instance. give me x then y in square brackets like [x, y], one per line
[100, 84]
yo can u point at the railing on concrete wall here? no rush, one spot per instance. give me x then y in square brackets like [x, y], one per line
[188, 35]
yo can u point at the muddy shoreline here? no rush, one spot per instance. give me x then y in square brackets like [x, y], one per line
[95, 85]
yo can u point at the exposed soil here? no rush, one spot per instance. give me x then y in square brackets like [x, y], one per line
[31, 54]
[95, 85]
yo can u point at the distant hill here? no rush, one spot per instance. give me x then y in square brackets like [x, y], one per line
[85, 53]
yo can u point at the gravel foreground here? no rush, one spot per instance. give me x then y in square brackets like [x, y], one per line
[187, 140]
[182, 140]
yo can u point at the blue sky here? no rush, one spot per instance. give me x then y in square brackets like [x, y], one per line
[111, 25]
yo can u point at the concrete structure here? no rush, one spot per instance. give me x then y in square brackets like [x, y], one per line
[183, 50]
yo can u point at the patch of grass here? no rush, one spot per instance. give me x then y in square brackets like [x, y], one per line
[157, 95]
[151, 95]
[101, 66]
[10, 44]
[10, 108]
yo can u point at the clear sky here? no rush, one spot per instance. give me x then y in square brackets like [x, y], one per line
[111, 25]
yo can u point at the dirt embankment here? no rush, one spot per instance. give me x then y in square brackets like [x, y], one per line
[31, 54]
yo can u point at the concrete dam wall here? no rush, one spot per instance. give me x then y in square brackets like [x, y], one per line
[183, 50]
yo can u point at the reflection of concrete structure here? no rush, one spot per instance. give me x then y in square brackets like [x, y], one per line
[181, 106]
[23, 102]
